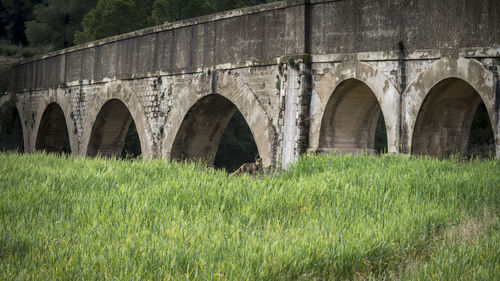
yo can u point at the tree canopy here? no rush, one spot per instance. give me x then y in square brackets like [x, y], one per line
[55, 22]
[13, 15]
[112, 17]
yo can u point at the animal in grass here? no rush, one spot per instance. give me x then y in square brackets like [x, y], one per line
[249, 167]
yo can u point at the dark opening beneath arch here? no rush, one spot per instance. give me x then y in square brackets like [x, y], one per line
[380, 144]
[215, 132]
[132, 145]
[114, 133]
[445, 119]
[481, 139]
[52, 134]
[237, 145]
[353, 121]
[11, 130]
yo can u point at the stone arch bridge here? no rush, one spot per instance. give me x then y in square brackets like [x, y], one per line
[307, 75]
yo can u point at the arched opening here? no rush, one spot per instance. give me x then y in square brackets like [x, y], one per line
[353, 121]
[215, 132]
[445, 119]
[114, 133]
[52, 134]
[11, 130]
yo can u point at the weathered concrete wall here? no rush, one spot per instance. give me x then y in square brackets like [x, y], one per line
[306, 76]
[380, 25]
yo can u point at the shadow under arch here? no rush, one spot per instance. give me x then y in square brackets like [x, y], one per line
[52, 134]
[110, 129]
[444, 121]
[11, 129]
[350, 119]
[200, 133]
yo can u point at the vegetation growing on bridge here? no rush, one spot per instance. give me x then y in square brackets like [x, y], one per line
[327, 217]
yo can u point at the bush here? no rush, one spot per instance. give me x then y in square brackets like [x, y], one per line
[11, 50]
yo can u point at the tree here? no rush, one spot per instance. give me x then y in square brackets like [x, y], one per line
[113, 17]
[175, 10]
[13, 14]
[56, 22]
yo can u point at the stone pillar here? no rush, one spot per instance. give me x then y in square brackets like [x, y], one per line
[296, 99]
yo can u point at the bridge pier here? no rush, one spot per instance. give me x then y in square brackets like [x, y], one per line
[296, 100]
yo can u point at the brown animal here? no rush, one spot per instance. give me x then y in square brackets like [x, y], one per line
[249, 167]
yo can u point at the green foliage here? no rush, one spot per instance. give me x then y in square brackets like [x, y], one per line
[56, 21]
[13, 15]
[175, 10]
[16, 51]
[326, 218]
[113, 17]
[463, 260]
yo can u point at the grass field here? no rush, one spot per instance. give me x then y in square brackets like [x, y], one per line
[327, 218]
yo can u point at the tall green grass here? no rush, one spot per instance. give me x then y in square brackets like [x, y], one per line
[326, 218]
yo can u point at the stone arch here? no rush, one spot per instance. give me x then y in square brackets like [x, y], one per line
[52, 135]
[441, 102]
[57, 100]
[114, 107]
[232, 94]
[12, 127]
[351, 88]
